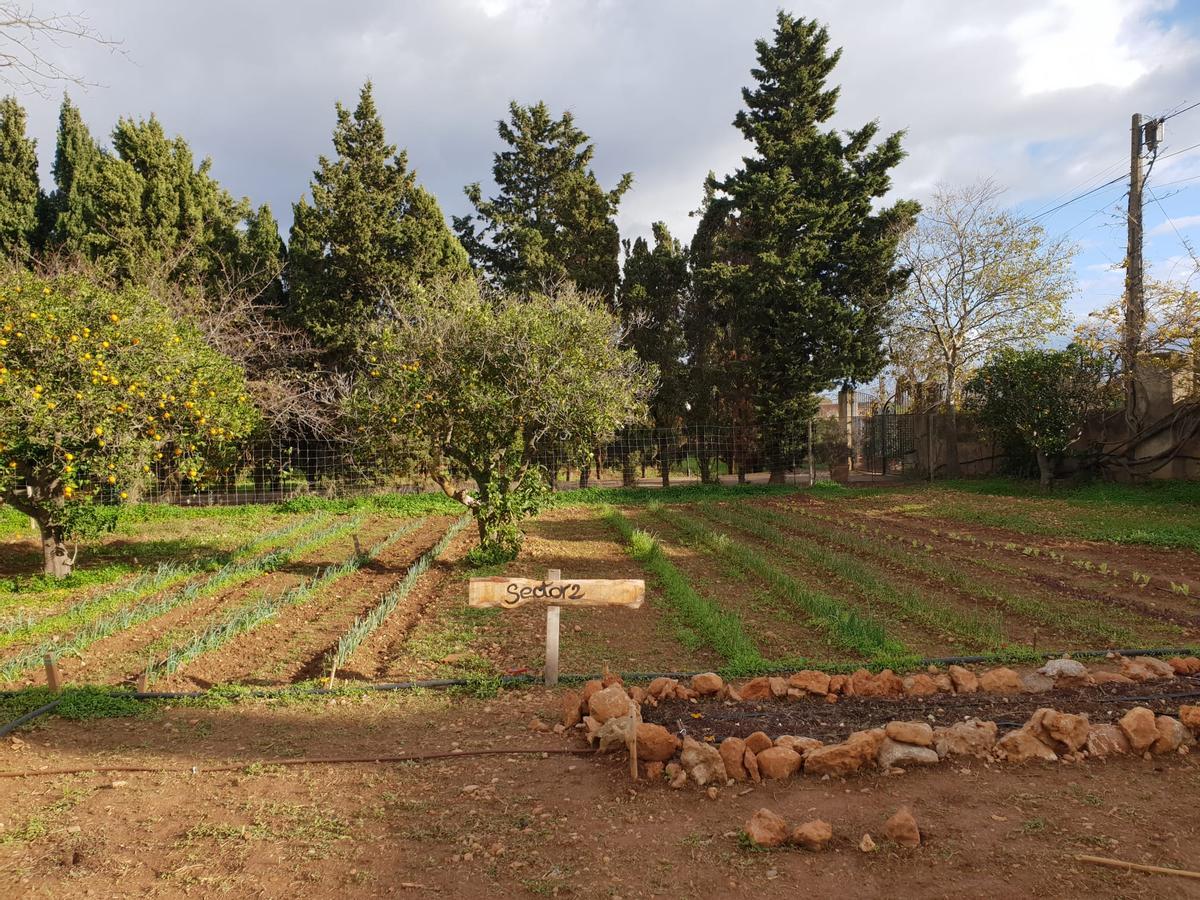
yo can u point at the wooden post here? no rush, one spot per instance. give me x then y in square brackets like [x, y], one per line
[635, 712]
[53, 676]
[552, 621]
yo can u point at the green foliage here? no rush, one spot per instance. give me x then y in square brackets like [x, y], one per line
[551, 220]
[21, 199]
[93, 701]
[100, 390]
[477, 385]
[1040, 399]
[794, 249]
[370, 237]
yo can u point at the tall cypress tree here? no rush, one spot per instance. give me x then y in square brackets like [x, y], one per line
[551, 218]
[808, 264]
[370, 236]
[21, 198]
[76, 158]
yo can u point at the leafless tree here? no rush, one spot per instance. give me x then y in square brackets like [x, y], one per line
[26, 63]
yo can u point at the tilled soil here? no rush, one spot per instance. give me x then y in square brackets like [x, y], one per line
[714, 720]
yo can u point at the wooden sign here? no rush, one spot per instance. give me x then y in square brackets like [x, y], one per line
[509, 593]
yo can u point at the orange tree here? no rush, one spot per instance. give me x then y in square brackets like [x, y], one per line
[100, 392]
[477, 386]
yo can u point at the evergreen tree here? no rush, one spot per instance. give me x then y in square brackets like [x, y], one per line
[551, 219]
[75, 158]
[368, 239]
[808, 265]
[21, 198]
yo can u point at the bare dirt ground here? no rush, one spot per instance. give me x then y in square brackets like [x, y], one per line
[520, 825]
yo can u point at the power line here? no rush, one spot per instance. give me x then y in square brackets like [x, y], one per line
[1186, 246]
[1177, 152]
[1178, 112]
[1076, 187]
[1076, 198]
[1179, 181]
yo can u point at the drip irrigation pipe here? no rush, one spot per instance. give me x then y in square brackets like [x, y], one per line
[304, 761]
[28, 717]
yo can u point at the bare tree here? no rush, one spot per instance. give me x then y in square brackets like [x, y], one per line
[25, 63]
[982, 279]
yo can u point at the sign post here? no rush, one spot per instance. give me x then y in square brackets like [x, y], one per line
[509, 593]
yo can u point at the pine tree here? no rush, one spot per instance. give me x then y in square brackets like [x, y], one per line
[75, 160]
[808, 262]
[370, 236]
[551, 219]
[21, 198]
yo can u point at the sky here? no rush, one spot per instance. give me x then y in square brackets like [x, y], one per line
[1035, 94]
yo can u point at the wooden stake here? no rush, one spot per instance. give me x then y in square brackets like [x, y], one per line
[636, 712]
[552, 622]
[332, 673]
[143, 682]
[53, 676]
[1135, 867]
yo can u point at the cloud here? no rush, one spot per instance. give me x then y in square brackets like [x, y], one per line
[1182, 223]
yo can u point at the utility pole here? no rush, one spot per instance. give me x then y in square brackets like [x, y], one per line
[1135, 300]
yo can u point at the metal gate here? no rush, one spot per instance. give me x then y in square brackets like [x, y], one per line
[885, 442]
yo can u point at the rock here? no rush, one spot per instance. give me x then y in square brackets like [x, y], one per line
[712, 793]
[1190, 716]
[893, 753]
[779, 687]
[653, 771]
[810, 681]
[708, 684]
[813, 835]
[838, 684]
[800, 744]
[589, 688]
[964, 680]
[1106, 740]
[846, 758]
[759, 741]
[536, 724]
[702, 762]
[1066, 672]
[733, 754]
[919, 686]
[943, 683]
[615, 734]
[608, 703]
[1036, 683]
[970, 738]
[572, 708]
[661, 688]
[767, 829]
[637, 695]
[1171, 735]
[750, 761]
[867, 844]
[1000, 681]
[1023, 745]
[1140, 727]
[1146, 668]
[756, 689]
[1063, 732]
[655, 743]
[885, 684]
[917, 733]
[1185, 665]
[778, 763]
[1110, 678]
[610, 678]
[902, 829]
[592, 727]
[676, 776]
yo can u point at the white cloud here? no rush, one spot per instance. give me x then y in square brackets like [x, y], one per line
[1182, 223]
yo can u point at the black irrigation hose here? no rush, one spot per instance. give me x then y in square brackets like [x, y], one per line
[28, 717]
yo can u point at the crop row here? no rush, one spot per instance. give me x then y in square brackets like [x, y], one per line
[230, 574]
[364, 626]
[250, 616]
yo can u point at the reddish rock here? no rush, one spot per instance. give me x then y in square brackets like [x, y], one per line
[917, 733]
[1023, 745]
[702, 762]
[902, 829]
[610, 678]
[810, 681]
[840, 760]
[653, 771]
[969, 738]
[767, 829]
[813, 835]
[759, 741]
[1171, 735]
[655, 743]
[1106, 740]
[964, 680]
[778, 686]
[778, 763]
[885, 684]
[1140, 727]
[572, 709]
[1146, 668]
[589, 688]
[608, 703]
[733, 754]
[892, 753]
[661, 688]
[1190, 716]
[708, 684]
[838, 684]
[1064, 732]
[800, 744]
[637, 695]
[1185, 665]
[750, 761]
[756, 689]
[944, 683]
[1110, 678]
[919, 686]
[1000, 681]
[871, 738]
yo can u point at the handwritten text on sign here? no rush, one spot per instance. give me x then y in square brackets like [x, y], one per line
[512, 592]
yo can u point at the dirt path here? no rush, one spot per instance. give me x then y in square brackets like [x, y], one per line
[294, 645]
[521, 826]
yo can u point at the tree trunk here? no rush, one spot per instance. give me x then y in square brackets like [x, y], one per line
[56, 561]
[585, 473]
[664, 461]
[951, 429]
[1045, 470]
[628, 471]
